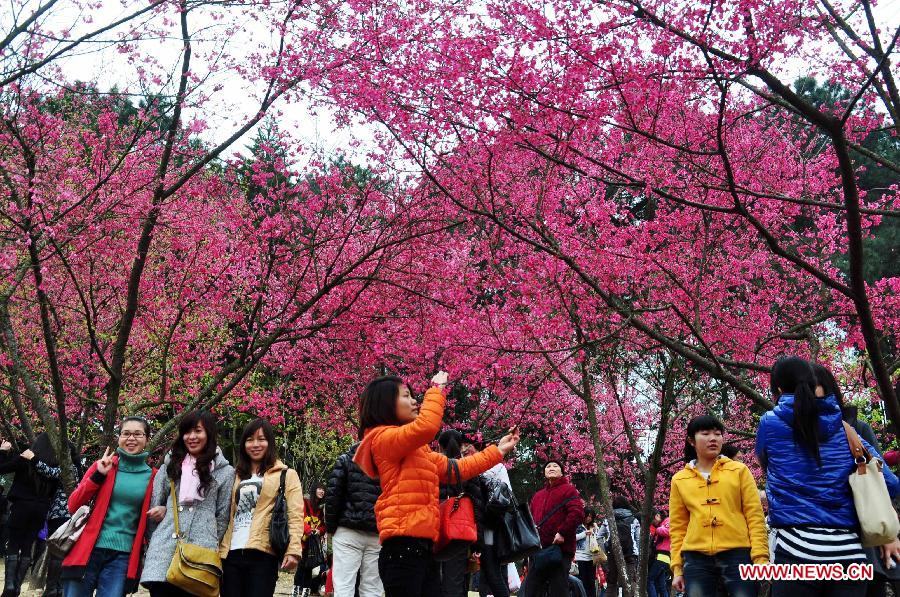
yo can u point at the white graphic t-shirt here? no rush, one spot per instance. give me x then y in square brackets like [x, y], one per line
[247, 496]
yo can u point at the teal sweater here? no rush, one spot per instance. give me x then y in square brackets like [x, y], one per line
[125, 504]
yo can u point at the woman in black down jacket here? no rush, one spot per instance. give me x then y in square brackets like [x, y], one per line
[454, 580]
[30, 495]
[350, 520]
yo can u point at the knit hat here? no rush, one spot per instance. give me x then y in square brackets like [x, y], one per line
[561, 466]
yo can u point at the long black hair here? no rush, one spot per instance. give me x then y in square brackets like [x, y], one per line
[451, 442]
[695, 426]
[793, 375]
[378, 403]
[43, 451]
[205, 459]
[315, 503]
[244, 466]
[825, 378]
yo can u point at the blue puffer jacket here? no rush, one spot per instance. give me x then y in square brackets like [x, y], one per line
[799, 491]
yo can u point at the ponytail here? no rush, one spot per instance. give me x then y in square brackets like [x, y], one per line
[794, 375]
[451, 442]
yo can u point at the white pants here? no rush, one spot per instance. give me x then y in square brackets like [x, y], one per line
[356, 552]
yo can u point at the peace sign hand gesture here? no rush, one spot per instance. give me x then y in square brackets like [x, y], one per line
[104, 465]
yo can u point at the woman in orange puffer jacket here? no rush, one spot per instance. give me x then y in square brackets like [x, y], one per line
[395, 431]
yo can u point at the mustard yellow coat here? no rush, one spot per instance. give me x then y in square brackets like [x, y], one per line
[262, 514]
[711, 517]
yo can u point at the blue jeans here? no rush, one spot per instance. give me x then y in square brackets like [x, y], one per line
[702, 573]
[105, 572]
[658, 579]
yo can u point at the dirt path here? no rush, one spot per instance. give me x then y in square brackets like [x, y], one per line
[285, 584]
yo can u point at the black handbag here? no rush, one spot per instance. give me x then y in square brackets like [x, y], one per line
[499, 499]
[549, 556]
[314, 556]
[279, 532]
[516, 537]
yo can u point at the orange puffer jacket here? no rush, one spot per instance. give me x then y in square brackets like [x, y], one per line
[410, 473]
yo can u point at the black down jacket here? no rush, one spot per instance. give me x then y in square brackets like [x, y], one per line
[350, 497]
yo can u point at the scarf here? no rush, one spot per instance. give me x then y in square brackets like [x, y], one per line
[189, 487]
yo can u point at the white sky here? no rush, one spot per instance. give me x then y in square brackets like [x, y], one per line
[228, 108]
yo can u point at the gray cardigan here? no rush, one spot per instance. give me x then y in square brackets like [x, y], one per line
[203, 523]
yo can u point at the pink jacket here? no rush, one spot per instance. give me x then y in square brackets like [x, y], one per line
[663, 541]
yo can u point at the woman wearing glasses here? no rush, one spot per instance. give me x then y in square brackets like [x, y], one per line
[106, 558]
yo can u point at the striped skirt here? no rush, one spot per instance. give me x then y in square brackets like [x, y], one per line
[817, 545]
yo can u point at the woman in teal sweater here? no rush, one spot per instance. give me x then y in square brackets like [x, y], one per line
[106, 558]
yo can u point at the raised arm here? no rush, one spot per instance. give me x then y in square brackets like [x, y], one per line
[86, 489]
[663, 529]
[470, 466]
[398, 442]
[47, 471]
[9, 460]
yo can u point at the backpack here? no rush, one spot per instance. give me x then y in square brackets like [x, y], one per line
[623, 528]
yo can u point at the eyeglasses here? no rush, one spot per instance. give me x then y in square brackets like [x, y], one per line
[134, 434]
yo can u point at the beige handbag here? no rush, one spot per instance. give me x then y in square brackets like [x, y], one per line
[877, 518]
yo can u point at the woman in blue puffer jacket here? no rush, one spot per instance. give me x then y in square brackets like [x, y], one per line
[803, 448]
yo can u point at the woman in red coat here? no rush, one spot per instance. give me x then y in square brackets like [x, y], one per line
[107, 556]
[558, 510]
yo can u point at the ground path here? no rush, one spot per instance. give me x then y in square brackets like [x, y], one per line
[285, 584]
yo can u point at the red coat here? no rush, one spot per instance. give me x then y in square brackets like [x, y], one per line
[98, 487]
[565, 520]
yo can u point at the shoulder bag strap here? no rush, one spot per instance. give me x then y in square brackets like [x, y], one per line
[860, 455]
[556, 509]
[174, 508]
[449, 474]
[459, 484]
[281, 484]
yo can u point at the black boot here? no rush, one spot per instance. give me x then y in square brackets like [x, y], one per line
[22, 572]
[54, 583]
[10, 573]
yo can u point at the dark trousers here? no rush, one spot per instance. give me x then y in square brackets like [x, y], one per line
[614, 579]
[554, 580]
[829, 588]
[453, 577]
[249, 572]
[587, 573]
[824, 588]
[877, 587]
[407, 568]
[164, 589]
[702, 573]
[493, 579]
[658, 581]
[26, 519]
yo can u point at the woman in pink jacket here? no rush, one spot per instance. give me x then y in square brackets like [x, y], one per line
[658, 581]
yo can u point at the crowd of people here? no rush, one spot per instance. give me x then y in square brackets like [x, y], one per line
[199, 526]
